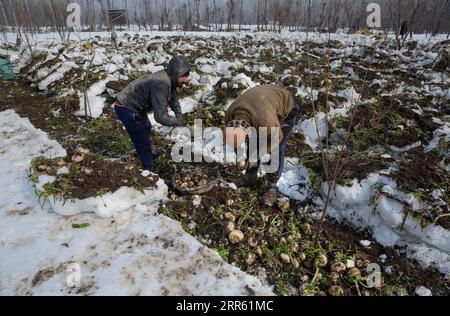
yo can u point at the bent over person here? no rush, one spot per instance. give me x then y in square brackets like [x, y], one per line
[269, 106]
[155, 92]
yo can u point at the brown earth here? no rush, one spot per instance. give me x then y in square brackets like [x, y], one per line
[352, 165]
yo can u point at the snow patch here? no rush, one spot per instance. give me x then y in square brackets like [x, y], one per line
[127, 254]
[423, 291]
[382, 212]
[294, 181]
[109, 204]
[57, 75]
[314, 129]
[93, 101]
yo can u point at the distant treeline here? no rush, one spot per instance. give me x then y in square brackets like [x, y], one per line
[419, 16]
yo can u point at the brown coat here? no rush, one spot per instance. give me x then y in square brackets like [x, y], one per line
[262, 106]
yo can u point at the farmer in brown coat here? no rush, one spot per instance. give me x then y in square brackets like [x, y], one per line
[268, 106]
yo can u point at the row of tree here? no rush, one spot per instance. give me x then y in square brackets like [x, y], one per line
[420, 16]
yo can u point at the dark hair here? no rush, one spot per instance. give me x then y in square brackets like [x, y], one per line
[186, 74]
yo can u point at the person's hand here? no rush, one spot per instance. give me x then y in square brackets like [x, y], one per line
[273, 178]
[180, 118]
[138, 117]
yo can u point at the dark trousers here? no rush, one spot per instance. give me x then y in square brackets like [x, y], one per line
[139, 128]
[287, 127]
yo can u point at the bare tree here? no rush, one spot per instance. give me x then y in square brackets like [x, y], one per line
[241, 14]
[197, 13]
[59, 16]
[164, 15]
[148, 13]
[24, 25]
[275, 8]
[348, 13]
[215, 14]
[258, 16]
[441, 14]
[403, 14]
[231, 4]
[286, 11]
[265, 15]
[90, 14]
[104, 13]
[207, 15]
[188, 16]
[221, 14]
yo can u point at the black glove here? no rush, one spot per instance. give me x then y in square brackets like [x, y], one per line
[138, 117]
[273, 177]
[180, 119]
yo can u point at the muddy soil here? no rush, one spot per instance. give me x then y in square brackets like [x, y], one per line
[281, 240]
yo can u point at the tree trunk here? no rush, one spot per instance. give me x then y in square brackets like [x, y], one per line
[241, 14]
[257, 16]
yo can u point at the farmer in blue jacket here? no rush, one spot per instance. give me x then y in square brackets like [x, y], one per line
[156, 92]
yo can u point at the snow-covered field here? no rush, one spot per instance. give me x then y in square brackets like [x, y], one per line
[137, 251]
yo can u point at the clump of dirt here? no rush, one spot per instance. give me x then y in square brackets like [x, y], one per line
[370, 118]
[421, 173]
[424, 120]
[53, 115]
[211, 117]
[225, 90]
[106, 137]
[365, 74]
[306, 107]
[33, 62]
[443, 62]
[281, 64]
[188, 91]
[198, 53]
[425, 176]
[86, 175]
[296, 146]
[324, 98]
[403, 137]
[266, 55]
[385, 123]
[232, 53]
[245, 71]
[290, 81]
[49, 65]
[366, 92]
[42, 276]
[101, 182]
[165, 167]
[383, 62]
[117, 85]
[350, 165]
[72, 78]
